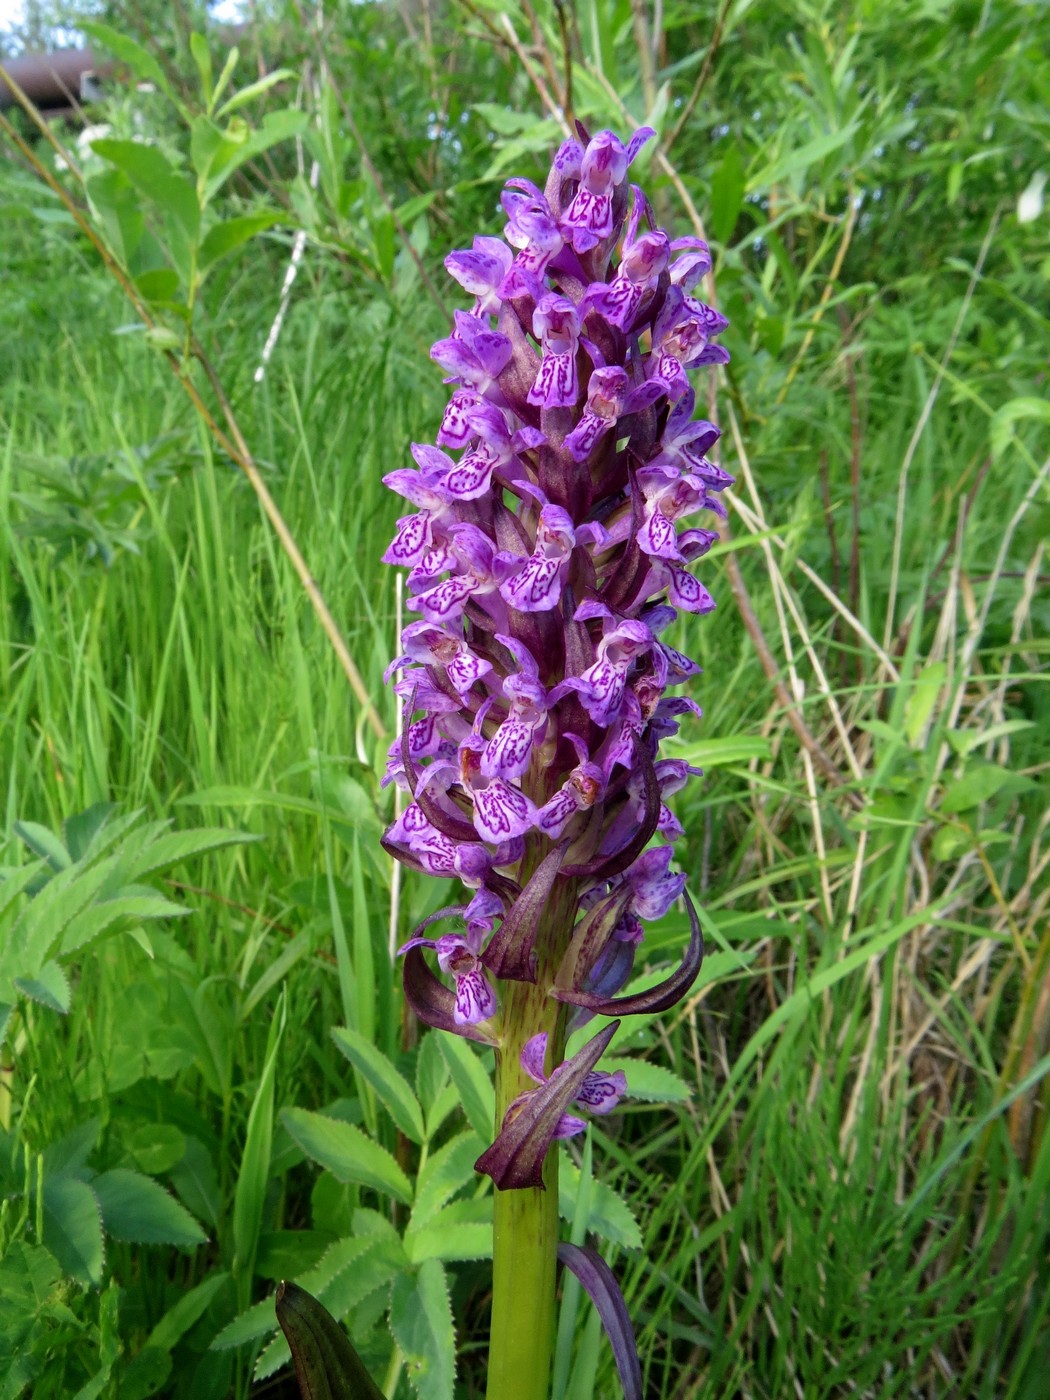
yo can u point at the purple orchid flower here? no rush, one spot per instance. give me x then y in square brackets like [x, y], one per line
[552, 539]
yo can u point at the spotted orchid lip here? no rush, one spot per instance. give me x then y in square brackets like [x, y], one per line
[550, 542]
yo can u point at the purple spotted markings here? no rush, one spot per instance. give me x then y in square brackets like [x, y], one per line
[552, 537]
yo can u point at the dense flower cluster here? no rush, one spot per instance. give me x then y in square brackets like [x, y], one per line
[549, 552]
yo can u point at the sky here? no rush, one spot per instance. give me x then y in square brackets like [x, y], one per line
[12, 12]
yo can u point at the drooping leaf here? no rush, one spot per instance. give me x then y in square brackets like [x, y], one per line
[598, 1279]
[461, 1230]
[510, 950]
[50, 987]
[446, 1171]
[659, 998]
[608, 1214]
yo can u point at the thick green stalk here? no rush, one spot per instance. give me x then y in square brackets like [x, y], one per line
[525, 1229]
[525, 1225]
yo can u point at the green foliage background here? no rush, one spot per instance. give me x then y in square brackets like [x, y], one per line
[832, 1179]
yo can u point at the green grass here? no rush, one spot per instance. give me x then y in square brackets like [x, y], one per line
[852, 1198]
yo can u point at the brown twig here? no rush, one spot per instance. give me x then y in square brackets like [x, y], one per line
[702, 76]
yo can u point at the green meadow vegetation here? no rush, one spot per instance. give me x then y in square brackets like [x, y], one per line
[832, 1176]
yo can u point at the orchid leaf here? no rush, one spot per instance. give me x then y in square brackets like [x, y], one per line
[659, 998]
[510, 950]
[598, 1279]
[326, 1365]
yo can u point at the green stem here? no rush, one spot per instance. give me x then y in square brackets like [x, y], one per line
[525, 1227]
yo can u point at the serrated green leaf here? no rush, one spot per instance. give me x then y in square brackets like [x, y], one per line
[472, 1084]
[447, 1171]
[90, 924]
[421, 1321]
[259, 1319]
[391, 1087]
[73, 1227]
[346, 1152]
[44, 843]
[609, 1215]
[50, 987]
[174, 847]
[649, 1082]
[462, 1230]
[139, 1210]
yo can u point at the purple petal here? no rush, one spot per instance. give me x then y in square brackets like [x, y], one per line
[586, 433]
[475, 1000]
[471, 477]
[556, 814]
[445, 602]
[455, 423]
[688, 593]
[602, 1092]
[658, 536]
[502, 812]
[466, 668]
[588, 219]
[506, 755]
[556, 382]
[601, 691]
[532, 1057]
[638, 140]
[537, 588]
[410, 542]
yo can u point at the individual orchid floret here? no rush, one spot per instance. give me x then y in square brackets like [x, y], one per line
[533, 230]
[536, 585]
[599, 1093]
[507, 753]
[480, 270]
[556, 325]
[693, 262]
[618, 301]
[457, 955]
[589, 218]
[474, 356]
[436, 646]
